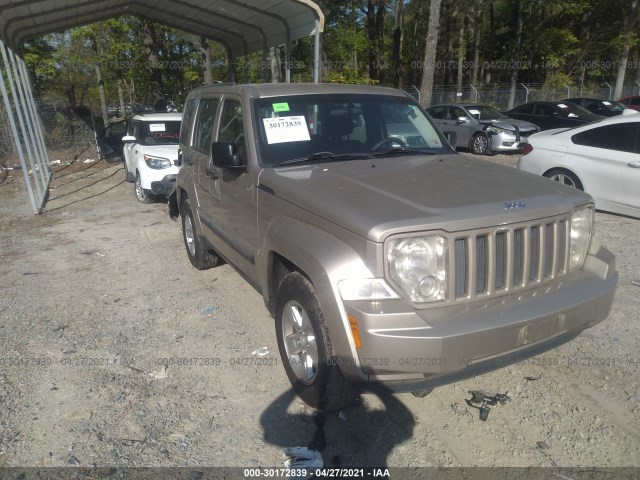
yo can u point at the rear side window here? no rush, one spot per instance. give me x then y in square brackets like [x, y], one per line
[635, 101]
[203, 128]
[621, 137]
[524, 108]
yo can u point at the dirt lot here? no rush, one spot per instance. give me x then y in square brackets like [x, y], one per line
[97, 293]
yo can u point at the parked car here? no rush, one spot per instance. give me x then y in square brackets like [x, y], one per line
[606, 108]
[151, 154]
[481, 128]
[110, 141]
[631, 102]
[602, 158]
[548, 115]
[383, 256]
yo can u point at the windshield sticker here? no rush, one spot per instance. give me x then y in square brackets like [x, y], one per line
[474, 112]
[562, 105]
[156, 127]
[572, 115]
[281, 107]
[606, 103]
[286, 129]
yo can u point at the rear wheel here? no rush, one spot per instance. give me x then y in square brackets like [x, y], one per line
[305, 346]
[197, 252]
[566, 177]
[127, 174]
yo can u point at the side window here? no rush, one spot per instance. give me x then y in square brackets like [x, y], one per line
[187, 116]
[231, 126]
[135, 131]
[621, 137]
[544, 110]
[635, 101]
[203, 128]
[437, 112]
[455, 113]
[525, 109]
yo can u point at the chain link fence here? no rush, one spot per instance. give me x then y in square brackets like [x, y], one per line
[498, 95]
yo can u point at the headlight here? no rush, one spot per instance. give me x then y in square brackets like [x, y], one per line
[494, 129]
[418, 266]
[581, 231]
[157, 163]
[366, 289]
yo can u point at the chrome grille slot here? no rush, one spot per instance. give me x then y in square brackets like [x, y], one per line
[496, 261]
[461, 267]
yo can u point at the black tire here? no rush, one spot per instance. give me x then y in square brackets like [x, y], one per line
[479, 144]
[566, 177]
[128, 176]
[141, 195]
[199, 256]
[318, 381]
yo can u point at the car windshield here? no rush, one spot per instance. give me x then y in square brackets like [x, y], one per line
[613, 105]
[161, 132]
[569, 109]
[485, 112]
[323, 128]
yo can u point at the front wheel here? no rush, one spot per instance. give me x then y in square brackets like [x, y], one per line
[480, 144]
[197, 252]
[565, 177]
[141, 195]
[305, 346]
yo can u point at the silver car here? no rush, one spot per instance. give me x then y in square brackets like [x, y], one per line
[481, 128]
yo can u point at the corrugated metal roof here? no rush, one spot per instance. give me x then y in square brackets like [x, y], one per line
[243, 26]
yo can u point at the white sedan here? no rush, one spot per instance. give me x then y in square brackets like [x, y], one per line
[602, 158]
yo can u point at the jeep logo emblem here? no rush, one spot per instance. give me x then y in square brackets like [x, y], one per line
[512, 205]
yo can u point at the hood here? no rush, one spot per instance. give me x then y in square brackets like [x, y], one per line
[164, 151]
[508, 124]
[375, 198]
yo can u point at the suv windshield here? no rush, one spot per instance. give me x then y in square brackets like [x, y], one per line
[325, 127]
[160, 132]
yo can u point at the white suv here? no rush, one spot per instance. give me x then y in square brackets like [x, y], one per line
[151, 154]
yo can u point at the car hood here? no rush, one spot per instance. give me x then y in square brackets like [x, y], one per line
[379, 197]
[508, 123]
[164, 151]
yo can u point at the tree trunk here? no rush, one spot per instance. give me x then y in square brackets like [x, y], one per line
[397, 43]
[516, 54]
[103, 97]
[492, 39]
[415, 58]
[206, 59]
[274, 63]
[461, 57]
[148, 33]
[428, 68]
[624, 58]
[123, 113]
[475, 34]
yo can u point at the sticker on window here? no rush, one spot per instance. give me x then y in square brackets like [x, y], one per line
[156, 127]
[606, 103]
[281, 107]
[474, 112]
[562, 105]
[286, 129]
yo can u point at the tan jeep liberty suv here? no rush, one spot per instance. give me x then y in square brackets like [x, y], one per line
[385, 258]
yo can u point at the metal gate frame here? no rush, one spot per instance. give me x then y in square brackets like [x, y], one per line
[19, 103]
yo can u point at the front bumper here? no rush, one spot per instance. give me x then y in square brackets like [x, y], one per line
[506, 142]
[406, 349]
[164, 186]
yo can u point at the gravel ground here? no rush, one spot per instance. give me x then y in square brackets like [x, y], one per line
[97, 294]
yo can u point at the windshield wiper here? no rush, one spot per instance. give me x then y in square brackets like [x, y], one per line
[395, 150]
[320, 156]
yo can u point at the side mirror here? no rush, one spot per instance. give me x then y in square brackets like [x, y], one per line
[462, 120]
[225, 155]
[129, 139]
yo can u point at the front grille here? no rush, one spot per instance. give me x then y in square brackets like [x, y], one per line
[489, 262]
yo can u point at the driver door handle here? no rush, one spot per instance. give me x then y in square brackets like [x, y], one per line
[211, 174]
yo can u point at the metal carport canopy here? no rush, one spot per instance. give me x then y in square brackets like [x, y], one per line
[242, 26]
